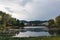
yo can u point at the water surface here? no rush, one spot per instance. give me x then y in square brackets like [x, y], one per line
[33, 31]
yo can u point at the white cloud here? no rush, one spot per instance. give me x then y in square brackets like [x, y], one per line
[31, 9]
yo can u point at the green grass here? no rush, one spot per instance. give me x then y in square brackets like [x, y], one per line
[42, 38]
[31, 38]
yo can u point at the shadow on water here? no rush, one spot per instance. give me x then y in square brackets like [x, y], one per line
[54, 32]
[33, 30]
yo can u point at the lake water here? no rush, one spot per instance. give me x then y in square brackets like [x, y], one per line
[33, 31]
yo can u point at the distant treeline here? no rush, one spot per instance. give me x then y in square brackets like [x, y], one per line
[33, 23]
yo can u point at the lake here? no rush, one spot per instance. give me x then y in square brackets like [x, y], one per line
[33, 31]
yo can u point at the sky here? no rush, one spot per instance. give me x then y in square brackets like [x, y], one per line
[31, 9]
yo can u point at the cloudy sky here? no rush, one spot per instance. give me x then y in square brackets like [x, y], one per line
[31, 9]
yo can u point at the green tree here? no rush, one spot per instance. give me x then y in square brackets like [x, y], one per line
[12, 21]
[22, 25]
[57, 21]
[18, 23]
[51, 23]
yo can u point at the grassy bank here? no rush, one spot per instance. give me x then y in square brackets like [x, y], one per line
[42, 38]
[31, 38]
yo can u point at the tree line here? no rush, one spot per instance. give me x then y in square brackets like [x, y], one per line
[54, 23]
[7, 21]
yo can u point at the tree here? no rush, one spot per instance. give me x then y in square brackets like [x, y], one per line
[22, 25]
[51, 23]
[12, 21]
[18, 23]
[57, 21]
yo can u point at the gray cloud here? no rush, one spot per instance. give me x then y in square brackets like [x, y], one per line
[8, 9]
[46, 9]
[32, 9]
[24, 2]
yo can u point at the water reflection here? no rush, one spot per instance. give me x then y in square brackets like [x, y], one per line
[55, 32]
[34, 29]
[33, 32]
[38, 31]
